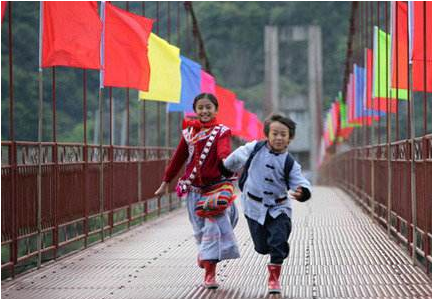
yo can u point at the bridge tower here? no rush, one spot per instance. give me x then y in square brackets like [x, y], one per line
[307, 113]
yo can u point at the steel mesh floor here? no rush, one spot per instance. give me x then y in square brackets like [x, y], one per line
[336, 252]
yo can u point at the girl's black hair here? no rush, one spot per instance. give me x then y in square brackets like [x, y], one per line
[207, 96]
[288, 122]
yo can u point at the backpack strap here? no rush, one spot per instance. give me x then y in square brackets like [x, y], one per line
[244, 174]
[289, 162]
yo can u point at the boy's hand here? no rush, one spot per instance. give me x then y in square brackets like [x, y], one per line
[297, 193]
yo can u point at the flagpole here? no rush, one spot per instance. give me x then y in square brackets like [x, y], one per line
[40, 116]
[101, 170]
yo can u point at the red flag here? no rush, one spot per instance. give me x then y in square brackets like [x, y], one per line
[226, 111]
[252, 127]
[418, 56]
[260, 128]
[399, 37]
[245, 126]
[71, 34]
[3, 8]
[126, 60]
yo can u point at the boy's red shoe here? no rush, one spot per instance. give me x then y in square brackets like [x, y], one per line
[210, 275]
[274, 286]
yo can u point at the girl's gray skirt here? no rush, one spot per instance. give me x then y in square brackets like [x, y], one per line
[214, 236]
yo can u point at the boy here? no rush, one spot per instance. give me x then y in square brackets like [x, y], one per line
[269, 171]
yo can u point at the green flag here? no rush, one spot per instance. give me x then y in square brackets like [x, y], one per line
[381, 62]
[343, 114]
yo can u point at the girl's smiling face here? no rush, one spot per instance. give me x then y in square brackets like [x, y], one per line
[205, 110]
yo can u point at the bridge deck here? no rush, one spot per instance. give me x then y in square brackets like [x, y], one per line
[336, 252]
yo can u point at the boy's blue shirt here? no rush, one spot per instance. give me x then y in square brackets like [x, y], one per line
[265, 180]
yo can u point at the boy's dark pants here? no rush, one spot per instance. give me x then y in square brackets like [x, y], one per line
[272, 237]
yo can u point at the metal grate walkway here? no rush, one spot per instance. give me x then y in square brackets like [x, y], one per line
[336, 252]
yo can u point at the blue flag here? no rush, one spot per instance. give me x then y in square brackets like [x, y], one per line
[190, 85]
[360, 93]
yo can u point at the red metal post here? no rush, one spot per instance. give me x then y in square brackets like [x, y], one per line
[85, 161]
[129, 209]
[56, 166]
[159, 143]
[409, 156]
[426, 242]
[111, 166]
[14, 244]
[143, 136]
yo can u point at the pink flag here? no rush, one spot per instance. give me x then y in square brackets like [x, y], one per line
[3, 9]
[208, 83]
[252, 128]
[239, 109]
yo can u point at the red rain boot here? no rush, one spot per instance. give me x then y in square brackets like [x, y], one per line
[210, 275]
[273, 282]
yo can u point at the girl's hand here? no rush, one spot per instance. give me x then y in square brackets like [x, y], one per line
[298, 193]
[161, 190]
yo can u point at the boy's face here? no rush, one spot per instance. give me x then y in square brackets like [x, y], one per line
[278, 136]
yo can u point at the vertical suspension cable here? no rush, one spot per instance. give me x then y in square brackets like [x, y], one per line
[143, 103]
[408, 115]
[127, 112]
[158, 121]
[13, 149]
[379, 75]
[179, 114]
[141, 142]
[388, 137]
[411, 137]
[167, 114]
[388, 127]
[372, 155]
[366, 45]
[397, 68]
[424, 71]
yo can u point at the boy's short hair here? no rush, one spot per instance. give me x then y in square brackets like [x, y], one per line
[288, 122]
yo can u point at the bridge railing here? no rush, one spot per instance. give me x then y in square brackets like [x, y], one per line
[72, 213]
[385, 159]
[364, 173]
[80, 202]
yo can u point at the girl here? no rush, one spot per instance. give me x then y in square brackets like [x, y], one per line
[203, 145]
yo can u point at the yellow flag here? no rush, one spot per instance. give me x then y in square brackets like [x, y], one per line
[165, 76]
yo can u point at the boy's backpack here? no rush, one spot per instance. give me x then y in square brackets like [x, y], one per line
[289, 162]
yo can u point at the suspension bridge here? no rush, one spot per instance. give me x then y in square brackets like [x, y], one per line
[80, 218]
